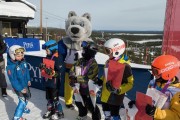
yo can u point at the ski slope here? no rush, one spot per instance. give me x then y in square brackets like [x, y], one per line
[37, 104]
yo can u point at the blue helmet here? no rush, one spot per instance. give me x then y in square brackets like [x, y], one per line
[51, 45]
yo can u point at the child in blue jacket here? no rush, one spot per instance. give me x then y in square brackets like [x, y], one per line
[19, 77]
[52, 84]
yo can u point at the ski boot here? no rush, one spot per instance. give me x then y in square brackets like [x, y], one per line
[57, 116]
[48, 114]
[17, 118]
[4, 93]
[107, 115]
[70, 106]
[81, 118]
[115, 118]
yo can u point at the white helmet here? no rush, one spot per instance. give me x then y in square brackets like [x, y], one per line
[15, 49]
[115, 46]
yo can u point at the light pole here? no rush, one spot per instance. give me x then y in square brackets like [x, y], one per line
[41, 17]
[46, 29]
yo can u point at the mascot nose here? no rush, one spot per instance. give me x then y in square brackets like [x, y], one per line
[74, 30]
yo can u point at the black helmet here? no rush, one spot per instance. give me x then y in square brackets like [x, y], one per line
[89, 50]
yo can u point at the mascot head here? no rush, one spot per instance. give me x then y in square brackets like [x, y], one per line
[78, 28]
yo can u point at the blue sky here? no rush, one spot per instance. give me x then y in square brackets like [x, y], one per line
[106, 14]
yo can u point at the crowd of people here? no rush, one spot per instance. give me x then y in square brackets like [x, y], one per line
[82, 75]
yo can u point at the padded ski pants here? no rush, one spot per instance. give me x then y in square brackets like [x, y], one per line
[23, 100]
[68, 91]
[114, 109]
[83, 110]
[20, 108]
[52, 96]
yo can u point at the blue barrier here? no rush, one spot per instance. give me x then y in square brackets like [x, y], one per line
[141, 78]
[30, 44]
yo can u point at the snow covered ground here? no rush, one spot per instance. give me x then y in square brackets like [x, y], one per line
[146, 41]
[37, 104]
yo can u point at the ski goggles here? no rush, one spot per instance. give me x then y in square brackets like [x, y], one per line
[19, 50]
[155, 71]
[89, 45]
[84, 44]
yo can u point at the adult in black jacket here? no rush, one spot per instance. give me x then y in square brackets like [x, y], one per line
[3, 83]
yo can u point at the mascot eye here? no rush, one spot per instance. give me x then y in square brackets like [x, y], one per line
[82, 24]
[72, 23]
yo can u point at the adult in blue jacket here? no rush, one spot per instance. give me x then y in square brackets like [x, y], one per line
[19, 77]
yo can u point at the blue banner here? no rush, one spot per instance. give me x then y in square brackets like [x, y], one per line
[30, 44]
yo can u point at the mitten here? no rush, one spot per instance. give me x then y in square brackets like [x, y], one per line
[42, 66]
[98, 81]
[73, 80]
[131, 103]
[150, 110]
[80, 79]
[111, 89]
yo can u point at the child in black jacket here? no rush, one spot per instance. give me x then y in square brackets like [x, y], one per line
[50, 71]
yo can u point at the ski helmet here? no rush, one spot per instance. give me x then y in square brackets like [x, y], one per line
[15, 49]
[166, 66]
[115, 46]
[89, 50]
[51, 45]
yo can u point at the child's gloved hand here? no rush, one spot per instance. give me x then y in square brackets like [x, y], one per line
[24, 91]
[80, 79]
[29, 83]
[150, 110]
[111, 88]
[55, 74]
[73, 80]
[98, 82]
[49, 71]
[131, 103]
[42, 66]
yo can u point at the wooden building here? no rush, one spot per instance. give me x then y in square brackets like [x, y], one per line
[14, 15]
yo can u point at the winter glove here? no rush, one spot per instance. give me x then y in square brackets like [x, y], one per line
[131, 103]
[49, 71]
[80, 79]
[150, 110]
[111, 89]
[55, 74]
[42, 66]
[98, 82]
[73, 80]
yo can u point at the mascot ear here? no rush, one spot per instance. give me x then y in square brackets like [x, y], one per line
[87, 15]
[71, 13]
